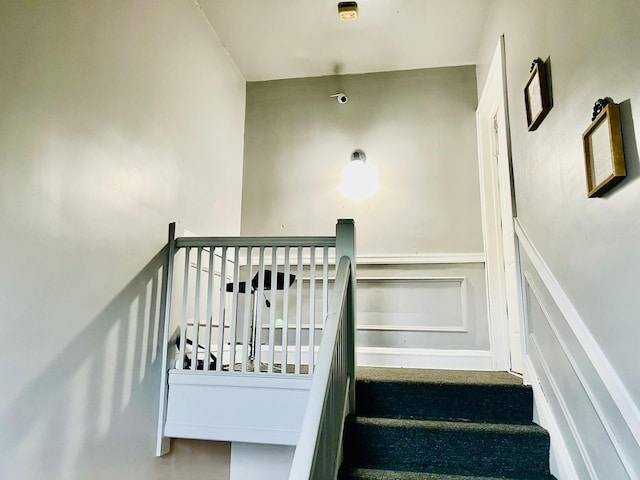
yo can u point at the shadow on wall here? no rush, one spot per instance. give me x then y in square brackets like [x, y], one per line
[630, 147]
[632, 162]
[93, 410]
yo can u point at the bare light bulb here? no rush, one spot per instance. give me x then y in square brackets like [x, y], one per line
[359, 179]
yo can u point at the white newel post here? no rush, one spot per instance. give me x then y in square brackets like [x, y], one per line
[346, 246]
[162, 442]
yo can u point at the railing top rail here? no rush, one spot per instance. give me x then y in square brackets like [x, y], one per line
[255, 242]
[343, 275]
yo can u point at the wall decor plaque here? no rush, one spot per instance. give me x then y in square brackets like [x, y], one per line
[536, 95]
[603, 150]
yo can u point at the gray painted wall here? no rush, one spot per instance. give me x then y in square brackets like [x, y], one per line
[589, 245]
[416, 127]
[116, 118]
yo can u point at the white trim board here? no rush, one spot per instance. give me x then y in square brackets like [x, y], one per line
[425, 258]
[425, 358]
[390, 259]
[382, 259]
[493, 208]
[560, 462]
[619, 394]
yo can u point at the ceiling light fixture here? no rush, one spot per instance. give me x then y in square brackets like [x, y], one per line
[348, 10]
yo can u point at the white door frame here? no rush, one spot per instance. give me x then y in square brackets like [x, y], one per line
[496, 195]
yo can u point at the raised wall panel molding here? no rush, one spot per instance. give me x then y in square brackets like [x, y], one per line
[530, 286]
[462, 328]
[561, 464]
[619, 394]
[425, 358]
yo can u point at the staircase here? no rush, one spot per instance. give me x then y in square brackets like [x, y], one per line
[442, 424]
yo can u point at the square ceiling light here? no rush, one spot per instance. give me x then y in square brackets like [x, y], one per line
[348, 10]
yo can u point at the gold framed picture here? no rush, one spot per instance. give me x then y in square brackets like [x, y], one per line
[603, 150]
[536, 95]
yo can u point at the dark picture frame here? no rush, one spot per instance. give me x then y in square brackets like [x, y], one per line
[536, 95]
[603, 149]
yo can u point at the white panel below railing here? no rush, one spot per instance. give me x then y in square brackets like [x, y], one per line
[236, 407]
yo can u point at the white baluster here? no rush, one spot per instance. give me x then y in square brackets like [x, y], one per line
[273, 308]
[285, 310]
[325, 283]
[298, 349]
[196, 312]
[207, 332]
[234, 309]
[185, 294]
[257, 348]
[221, 308]
[246, 353]
[312, 309]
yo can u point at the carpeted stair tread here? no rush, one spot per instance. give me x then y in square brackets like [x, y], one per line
[461, 448]
[423, 375]
[443, 425]
[372, 474]
[443, 394]
[514, 428]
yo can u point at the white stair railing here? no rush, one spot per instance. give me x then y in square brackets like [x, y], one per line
[251, 306]
[243, 310]
[318, 454]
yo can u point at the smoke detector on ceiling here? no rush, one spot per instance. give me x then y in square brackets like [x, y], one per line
[348, 10]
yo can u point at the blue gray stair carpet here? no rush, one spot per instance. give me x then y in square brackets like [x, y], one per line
[443, 425]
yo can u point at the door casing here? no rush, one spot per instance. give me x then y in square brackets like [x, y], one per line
[498, 211]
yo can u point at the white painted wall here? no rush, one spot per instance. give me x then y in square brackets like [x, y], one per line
[115, 119]
[417, 129]
[589, 245]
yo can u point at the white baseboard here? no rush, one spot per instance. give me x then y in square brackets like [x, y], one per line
[559, 460]
[425, 358]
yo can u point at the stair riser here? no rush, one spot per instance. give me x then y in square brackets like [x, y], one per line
[497, 403]
[461, 452]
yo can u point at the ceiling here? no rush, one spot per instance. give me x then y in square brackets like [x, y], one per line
[272, 39]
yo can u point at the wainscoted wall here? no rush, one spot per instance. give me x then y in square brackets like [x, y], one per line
[592, 420]
[426, 311]
[423, 311]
